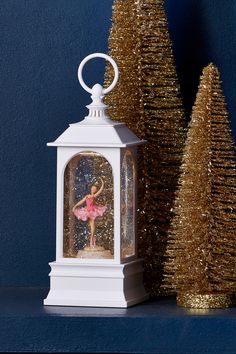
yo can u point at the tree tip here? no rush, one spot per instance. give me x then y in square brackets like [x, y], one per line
[211, 67]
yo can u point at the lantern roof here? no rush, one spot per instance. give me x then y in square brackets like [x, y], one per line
[97, 129]
[97, 132]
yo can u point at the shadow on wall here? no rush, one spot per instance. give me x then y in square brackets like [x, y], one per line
[188, 33]
[204, 31]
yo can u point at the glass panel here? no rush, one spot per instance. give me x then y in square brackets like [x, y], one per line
[88, 207]
[127, 206]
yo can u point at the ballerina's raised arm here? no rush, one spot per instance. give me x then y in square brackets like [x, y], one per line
[100, 190]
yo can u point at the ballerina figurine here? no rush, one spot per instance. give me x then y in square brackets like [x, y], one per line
[91, 211]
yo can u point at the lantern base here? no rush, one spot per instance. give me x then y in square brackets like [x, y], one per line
[96, 284]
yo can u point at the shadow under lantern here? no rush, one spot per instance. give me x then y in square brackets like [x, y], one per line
[96, 243]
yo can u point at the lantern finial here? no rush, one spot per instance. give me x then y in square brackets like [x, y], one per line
[97, 109]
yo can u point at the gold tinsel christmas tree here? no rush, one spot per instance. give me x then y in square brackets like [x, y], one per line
[147, 99]
[201, 253]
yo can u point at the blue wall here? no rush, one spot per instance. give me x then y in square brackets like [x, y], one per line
[41, 44]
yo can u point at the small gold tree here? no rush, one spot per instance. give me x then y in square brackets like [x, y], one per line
[201, 253]
[147, 99]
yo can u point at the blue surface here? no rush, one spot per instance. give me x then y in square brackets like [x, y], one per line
[153, 327]
[41, 44]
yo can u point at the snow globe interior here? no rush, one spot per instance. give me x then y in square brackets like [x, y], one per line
[88, 207]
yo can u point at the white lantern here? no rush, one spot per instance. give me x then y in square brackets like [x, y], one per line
[96, 246]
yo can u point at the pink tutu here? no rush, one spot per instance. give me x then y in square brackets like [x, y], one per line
[91, 211]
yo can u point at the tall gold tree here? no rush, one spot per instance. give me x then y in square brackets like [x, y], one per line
[201, 249]
[147, 99]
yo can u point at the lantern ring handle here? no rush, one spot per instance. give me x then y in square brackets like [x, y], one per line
[98, 55]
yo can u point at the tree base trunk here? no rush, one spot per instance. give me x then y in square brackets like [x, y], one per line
[206, 301]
